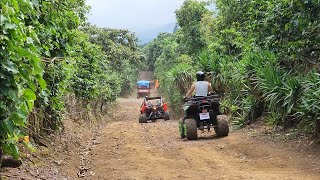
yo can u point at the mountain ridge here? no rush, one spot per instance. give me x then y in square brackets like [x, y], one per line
[148, 35]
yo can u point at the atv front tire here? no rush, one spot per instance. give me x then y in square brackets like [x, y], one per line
[191, 128]
[143, 118]
[222, 128]
[166, 116]
[182, 129]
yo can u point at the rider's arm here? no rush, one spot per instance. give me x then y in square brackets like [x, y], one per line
[193, 87]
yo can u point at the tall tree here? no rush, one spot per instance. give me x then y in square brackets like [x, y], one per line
[189, 17]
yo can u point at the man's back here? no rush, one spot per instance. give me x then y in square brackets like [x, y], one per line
[201, 88]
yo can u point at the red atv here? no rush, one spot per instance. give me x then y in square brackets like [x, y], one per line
[153, 108]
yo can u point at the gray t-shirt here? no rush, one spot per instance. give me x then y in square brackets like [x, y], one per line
[201, 88]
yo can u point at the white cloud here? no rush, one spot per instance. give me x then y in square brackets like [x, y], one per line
[135, 15]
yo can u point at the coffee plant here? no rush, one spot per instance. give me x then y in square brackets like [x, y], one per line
[46, 54]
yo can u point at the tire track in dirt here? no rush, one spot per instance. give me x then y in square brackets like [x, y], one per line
[154, 151]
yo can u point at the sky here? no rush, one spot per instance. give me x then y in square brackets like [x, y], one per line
[135, 15]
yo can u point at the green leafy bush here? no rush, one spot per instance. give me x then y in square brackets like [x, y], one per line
[309, 107]
[44, 55]
[122, 52]
[279, 89]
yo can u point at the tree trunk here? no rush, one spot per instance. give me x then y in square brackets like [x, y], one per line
[101, 106]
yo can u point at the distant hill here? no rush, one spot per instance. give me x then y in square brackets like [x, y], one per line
[148, 35]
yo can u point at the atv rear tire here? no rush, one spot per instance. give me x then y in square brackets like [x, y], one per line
[166, 116]
[222, 128]
[182, 131]
[143, 118]
[191, 128]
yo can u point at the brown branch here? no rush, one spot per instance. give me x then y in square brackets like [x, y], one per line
[52, 60]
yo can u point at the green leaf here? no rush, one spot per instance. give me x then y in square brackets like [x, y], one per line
[15, 5]
[23, 109]
[29, 146]
[24, 52]
[10, 10]
[29, 94]
[30, 105]
[8, 126]
[6, 148]
[14, 151]
[31, 85]
[11, 67]
[2, 19]
[41, 81]
[10, 26]
[13, 95]
[25, 71]
[3, 105]
[17, 119]
[35, 37]
[10, 92]
[36, 63]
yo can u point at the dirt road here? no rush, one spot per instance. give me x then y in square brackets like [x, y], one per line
[129, 150]
[121, 148]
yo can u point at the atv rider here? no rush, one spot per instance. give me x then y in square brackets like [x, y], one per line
[202, 87]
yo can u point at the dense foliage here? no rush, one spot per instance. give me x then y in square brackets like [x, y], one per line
[47, 52]
[262, 56]
[121, 49]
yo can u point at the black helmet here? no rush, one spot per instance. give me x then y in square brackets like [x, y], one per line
[200, 76]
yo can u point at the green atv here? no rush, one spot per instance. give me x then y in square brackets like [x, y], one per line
[202, 113]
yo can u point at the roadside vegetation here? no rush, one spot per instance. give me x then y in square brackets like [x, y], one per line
[51, 56]
[261, 56]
